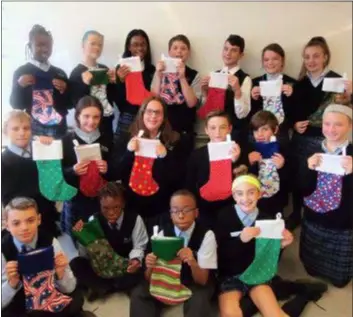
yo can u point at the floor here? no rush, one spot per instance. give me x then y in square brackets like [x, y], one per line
[335, 303]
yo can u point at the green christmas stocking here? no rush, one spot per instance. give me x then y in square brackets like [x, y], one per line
[51, 181]
[104, 260]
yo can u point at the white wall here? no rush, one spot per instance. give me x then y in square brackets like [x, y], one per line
[206, 24]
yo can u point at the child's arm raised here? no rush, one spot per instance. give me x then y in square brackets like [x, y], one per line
[242, 103]
[156, 82]
[10, 281]
[21, 94]
[189, 91]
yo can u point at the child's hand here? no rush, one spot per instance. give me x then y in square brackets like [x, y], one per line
[204, 84]
[46, 140]
[151, 261]
[186, 256]
[235, 152]
[254, 157]
[61, 262]
[87, 77]
[301, 126]
[160, 67]
[111, 75]
[278, 160]
[81, 168]
[181, 70]
[102, 166]
[134, 265]
[249, 233]
[287, 238]
[26, 80]
[314, 161]
[342, 99]
[233, 82]
[122, 72]
[133, 145]
[60, 85]
[346, 163]
[348, 86]
[12, 275]
[161, 151]
[255, 93]
[78, 226]
[287, 90]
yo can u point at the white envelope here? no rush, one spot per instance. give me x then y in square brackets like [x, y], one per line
[220, 150]
[170, 64]
[271, 229]
[147, 147]
[333, 85]
[218, 80]
[54, 151]
[88, 152]
[331, 164]
[271, 88]
[134, 63]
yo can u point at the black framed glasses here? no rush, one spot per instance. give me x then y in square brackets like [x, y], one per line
[184, 211]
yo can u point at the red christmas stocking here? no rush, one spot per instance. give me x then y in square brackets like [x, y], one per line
[141, 180]
[219, 185]
[136, 92]
[92, 181]
[215, 101]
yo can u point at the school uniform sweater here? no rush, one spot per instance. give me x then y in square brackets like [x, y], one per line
[307, 99]
[21, 98]
[234, 256]
[340, 218]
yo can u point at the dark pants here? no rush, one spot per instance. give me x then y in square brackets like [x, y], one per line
[142, 303]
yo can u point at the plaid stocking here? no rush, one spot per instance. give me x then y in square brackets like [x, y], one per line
[37, 270]
[169, 91]
[92, 181]
[141, 179]
[165, 284]
[51, 181]
[215, 101]
[136, 92]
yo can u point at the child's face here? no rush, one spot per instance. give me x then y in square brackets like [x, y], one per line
[179, 50]
[272, 62]
[23, 224]
[336, 126]
[138, 46]
[42, 47]
[314, 59]
[112, 207]
[19, 132]
[153, 116]
[264, 133]
[93, 46]
[231, 54]
[246, 196]
[183, 211]
[89, 119]
[217, 129]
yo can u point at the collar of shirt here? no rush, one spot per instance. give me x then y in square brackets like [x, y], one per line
[185, 234]
[142, 65]
[90, 137]
[316, 81]
[26, 153]
[43, 66]
[231, 71]
[337, 150]
[273, 76]
[118, 222]
[19, 244]
[246, 219]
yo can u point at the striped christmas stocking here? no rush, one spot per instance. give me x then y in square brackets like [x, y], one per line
[136, 92]
[92, 181]
[170, 91]
[165, 284]
[37, 270]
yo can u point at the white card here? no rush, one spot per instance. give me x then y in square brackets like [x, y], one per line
[170, 64]
[220, 150]
[88, 152]
[134, 63]
[218, 80]
[331, 164]
[271, 88]
[54, 151]
[147, 147]
[271, 229]
[333, 85]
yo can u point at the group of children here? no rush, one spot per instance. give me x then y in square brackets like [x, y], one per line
[150, 175]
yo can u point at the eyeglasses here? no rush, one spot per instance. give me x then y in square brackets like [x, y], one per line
[150, 112]
[182, 211]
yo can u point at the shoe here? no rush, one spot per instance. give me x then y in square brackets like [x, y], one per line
[86, 313]
[313, 291]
